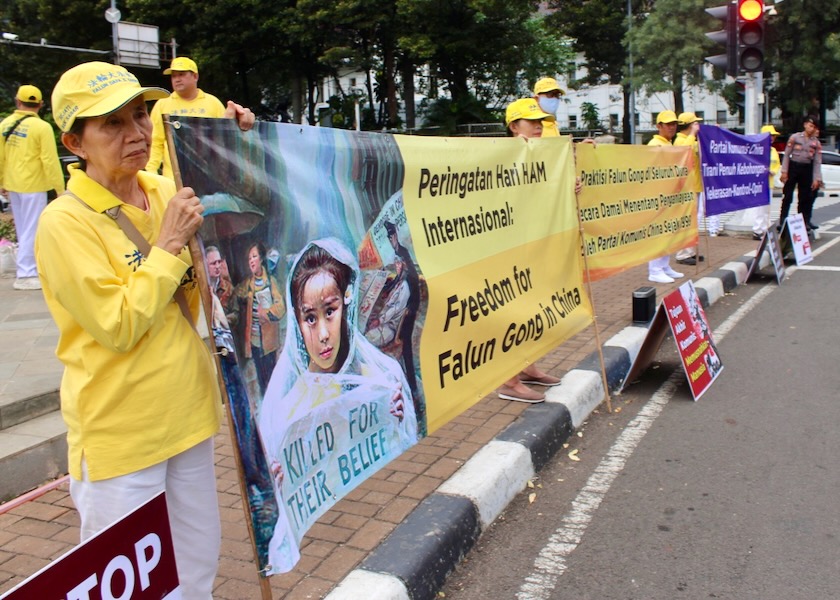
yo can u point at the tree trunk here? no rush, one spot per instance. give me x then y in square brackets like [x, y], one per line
[297, 100]
[408, 93]
[390, 86]
[628, 114]
[679, 106]
[458, 87]
[310, 98]
[245, 96]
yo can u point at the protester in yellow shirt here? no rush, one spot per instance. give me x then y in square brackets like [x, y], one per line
[524, 119]
[762, 213]
[689, 124]
[659, 269]
[187, 100]
[29, 169]
[547, 93]
[139, 393]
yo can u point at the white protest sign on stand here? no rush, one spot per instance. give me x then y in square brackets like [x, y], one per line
[799, 239]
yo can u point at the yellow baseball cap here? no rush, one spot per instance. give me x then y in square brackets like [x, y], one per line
[525, 108]
[687, 118]
[666, 116]
[769, 129]
[547, 84]
[29, 93]
[182, 63]
[94, 89]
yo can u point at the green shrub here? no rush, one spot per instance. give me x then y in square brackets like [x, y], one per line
[7, 227]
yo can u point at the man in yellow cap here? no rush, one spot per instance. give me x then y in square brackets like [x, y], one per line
[688, 124]
[659, 269]
[187, 100]
[29, 169]
[761, 214]
[547, 93]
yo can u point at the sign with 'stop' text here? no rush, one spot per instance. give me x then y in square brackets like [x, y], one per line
[133, 559]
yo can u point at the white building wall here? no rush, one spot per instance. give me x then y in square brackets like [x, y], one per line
[607, 98]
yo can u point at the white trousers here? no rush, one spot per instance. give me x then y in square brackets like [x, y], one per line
[713, 222]
[189, 480]
[26, 208]
[760, 218]
[657, 265]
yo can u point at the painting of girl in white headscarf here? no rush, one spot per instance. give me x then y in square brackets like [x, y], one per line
[336, 408]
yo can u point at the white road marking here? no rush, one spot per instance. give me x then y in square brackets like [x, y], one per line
[817, 268]
[551, 563]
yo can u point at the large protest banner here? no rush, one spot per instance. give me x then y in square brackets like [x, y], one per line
[367, 289]
[734, 168]
[637, 204]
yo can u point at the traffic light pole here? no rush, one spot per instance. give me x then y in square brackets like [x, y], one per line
[751, 109]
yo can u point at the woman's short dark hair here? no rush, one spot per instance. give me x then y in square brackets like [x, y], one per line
[77, 129]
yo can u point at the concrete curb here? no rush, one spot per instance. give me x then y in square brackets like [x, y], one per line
[414, 561]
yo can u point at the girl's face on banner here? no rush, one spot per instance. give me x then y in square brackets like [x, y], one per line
[320, 316]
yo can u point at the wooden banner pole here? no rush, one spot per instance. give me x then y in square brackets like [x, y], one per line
[197, 254]
[591, 298]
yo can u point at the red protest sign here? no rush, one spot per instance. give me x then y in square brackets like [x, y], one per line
[693, 337]
[133, 559]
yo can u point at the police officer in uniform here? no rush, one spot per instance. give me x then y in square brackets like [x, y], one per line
[802, 169]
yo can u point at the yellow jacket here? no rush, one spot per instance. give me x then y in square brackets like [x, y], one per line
[203, 105]
[29, 158]
[550, 128]
[658, 140]
[775, 165]
[139, 384]
[695, 178]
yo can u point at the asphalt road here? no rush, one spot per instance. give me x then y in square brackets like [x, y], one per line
[734, 496]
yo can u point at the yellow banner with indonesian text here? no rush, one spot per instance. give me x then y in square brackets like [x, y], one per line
[637, 204]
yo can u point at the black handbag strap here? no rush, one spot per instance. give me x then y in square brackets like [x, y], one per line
[143, 246]
[14, 126]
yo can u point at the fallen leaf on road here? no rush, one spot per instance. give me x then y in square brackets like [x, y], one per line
[530, 484]
[573, 454]
[531, 497]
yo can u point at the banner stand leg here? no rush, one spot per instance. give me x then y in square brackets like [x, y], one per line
[197, 255]
[594, 314]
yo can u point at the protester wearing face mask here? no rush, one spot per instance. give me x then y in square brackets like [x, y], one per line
[547, 94]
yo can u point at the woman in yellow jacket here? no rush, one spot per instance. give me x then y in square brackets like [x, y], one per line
[139, 394]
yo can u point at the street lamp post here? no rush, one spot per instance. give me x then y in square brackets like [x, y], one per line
[113, 16]
[632, 101]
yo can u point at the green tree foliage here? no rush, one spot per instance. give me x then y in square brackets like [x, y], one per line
[476, 47]
[75, 24]
[598, 29]
[591, 118]
[669, 48]
[803, 49]
[549, 54]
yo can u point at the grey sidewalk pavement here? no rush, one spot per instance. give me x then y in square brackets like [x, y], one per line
[401, 532]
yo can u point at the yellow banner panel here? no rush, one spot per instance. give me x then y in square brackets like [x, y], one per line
[636, 204]
[500, 297]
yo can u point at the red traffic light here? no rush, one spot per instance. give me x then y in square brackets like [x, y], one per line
[750, 10]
